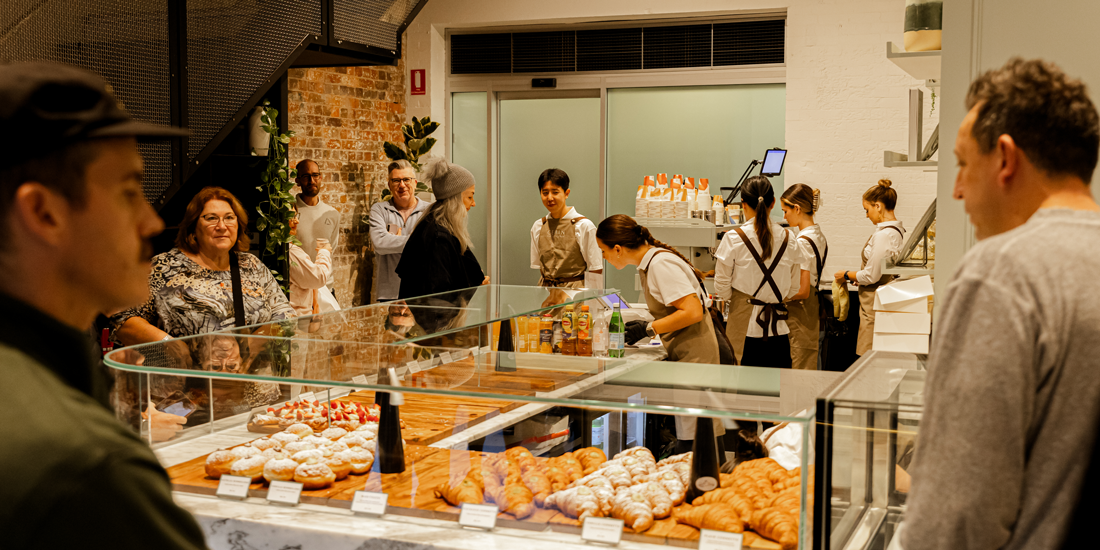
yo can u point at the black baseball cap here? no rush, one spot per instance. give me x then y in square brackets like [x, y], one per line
[47, 106]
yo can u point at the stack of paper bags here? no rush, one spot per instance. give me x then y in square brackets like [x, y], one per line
[902, 321]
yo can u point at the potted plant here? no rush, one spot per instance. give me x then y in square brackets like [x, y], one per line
[416, 145]
[276, 210]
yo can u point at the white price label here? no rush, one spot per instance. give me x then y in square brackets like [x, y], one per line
[427, 364]
[480, 516]
[605, 530]
[308, 396]
[485, 350]
[234, 486]
[413, 366]
[710, 539]
[360, 379]
[445, 358]
[366, 502]
[284, 492]
[372, 379]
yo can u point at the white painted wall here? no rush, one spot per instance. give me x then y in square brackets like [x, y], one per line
[845, 102]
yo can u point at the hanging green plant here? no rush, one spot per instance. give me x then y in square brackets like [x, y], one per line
[276, 210]
[416, 144]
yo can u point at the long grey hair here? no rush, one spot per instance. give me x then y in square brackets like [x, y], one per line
[449, 213]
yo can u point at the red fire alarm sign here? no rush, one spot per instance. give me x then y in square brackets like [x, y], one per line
[416, 82]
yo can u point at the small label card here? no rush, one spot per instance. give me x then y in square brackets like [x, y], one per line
[445, 357]
[602, 530]
[360, 379]
[478, 516]
[710, 539]
[234, 486]
[372, 379]
[366, 502]
[308, 396]
[427, 363]
[414, 367]
[284, 492]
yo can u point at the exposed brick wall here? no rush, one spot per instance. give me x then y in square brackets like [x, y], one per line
[341, 116]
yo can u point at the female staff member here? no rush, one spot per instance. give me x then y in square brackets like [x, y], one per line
[754, 271]
[307, 277]
[673, 293]
[878, 202]
[439, 256]
[563, 244]
[799, 204]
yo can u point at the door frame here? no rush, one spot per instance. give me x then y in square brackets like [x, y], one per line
[517, 86]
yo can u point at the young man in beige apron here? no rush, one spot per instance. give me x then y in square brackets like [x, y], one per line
[563, 243]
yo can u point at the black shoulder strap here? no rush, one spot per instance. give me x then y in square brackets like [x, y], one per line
[767, 271]
[238, 295]
[896, 228]
[817, 256]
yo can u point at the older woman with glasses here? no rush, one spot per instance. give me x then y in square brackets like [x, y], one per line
[191, 292]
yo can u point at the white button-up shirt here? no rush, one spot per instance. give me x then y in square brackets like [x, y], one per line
[885, 243]
[735, 268]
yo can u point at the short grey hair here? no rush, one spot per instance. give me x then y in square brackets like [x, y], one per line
[399, 164]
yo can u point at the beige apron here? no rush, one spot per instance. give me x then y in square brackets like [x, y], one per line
[563, 265]
[696, 343]
[867, 303]
[804, 321]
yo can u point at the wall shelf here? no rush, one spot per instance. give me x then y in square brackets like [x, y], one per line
[901, 160]
[919, 65]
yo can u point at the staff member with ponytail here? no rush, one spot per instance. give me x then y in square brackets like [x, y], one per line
[878, 202]
[753, 272]
[673, 293]
[799, 204]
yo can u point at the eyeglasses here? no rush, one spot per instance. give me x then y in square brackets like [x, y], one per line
[316, 176]
[212, 220]
[403, 181]
[225, 365]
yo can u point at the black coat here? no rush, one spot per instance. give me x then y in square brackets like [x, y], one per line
[433, 262]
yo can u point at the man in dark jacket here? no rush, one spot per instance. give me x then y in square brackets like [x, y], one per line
[74, 241]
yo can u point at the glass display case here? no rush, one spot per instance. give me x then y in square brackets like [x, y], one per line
[439, 420]
[866, 433]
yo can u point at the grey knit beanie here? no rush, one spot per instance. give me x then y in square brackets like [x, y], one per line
[447, 179]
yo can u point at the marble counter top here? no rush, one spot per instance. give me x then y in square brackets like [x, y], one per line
[255, 525]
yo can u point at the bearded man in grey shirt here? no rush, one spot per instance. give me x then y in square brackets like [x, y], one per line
[1013, 390]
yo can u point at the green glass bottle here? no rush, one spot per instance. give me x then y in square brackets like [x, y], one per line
[616, 332]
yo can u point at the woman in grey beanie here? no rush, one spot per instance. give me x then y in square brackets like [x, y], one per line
[439, 256]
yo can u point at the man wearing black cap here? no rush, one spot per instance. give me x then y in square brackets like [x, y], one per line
[74, 241]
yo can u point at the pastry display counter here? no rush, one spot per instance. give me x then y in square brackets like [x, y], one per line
[867, 427]
[471, 436]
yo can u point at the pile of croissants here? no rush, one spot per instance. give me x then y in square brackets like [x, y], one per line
[633, 486]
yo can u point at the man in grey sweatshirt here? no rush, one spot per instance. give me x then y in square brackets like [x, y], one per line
[1013, 390]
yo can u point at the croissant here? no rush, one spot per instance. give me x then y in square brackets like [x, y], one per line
[787, 501]
[590, 458]
[638, 452]
[604, 491]
[729, 496]
[617, 475]
[718, 516]
[571, 466]
[682, 469]
[776, 525]
[792, 479]
[758, 491]
[634, 509]
[559, 480]
[657, 497]
[579, 502]
[463, 491]
[675, 459]
[531, 475]
[514, 498]
[635, 468]
[725, 480]
[507, 471]
[671, 482]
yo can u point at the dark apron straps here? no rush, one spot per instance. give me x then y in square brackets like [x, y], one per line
[770, 314]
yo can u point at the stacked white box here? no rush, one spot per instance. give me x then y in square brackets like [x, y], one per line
[902, 321]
